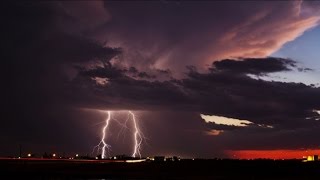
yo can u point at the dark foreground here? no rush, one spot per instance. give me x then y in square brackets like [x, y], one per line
[184, 169]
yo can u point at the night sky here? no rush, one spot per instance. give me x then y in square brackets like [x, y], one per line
[205, 79]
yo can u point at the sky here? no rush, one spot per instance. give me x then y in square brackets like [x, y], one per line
[204, 79]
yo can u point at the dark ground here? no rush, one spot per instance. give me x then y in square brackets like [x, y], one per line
[184, 169]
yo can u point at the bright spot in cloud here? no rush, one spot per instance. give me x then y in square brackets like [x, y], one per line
[265, 126]
[317, 111]
[317, 118]
[225, 121]
[214, 132]
[101, 81]
[229, 122]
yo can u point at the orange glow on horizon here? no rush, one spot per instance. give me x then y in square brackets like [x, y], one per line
[272, 154]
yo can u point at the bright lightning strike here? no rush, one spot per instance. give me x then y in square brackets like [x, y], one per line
[138, 136]
[103, 139]
[105, 145]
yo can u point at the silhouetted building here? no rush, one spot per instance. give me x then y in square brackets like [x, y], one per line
[159, 158]
[45, 155]
[99, 156]
[310, 158]
[174, 158]
[123, 157]
[315, 157]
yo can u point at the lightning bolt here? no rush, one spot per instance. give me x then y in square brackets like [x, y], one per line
[138, 135]
[105, 146]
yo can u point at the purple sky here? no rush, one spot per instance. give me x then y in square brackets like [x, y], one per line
[170, 62]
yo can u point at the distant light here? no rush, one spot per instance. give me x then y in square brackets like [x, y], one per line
[310, 158]
[96, 157]
[19, 157]
[115, 157]
[29, 155]
[77, 155]
[54, 155]
[214, 132]
[317, 111]
[135, 161]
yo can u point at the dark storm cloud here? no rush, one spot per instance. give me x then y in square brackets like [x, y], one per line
[111, 72]
[166, 71]
[239, 96]
[145, 75]
[107, 71]
[69, 48]
[135, 73]
[255, 66]
[228, 92]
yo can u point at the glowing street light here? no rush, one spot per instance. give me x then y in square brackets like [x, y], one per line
[29, 155]
[54, 155]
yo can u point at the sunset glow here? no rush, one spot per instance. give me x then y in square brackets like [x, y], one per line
[272, 154]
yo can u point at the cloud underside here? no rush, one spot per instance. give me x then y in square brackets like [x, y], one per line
[226, 91]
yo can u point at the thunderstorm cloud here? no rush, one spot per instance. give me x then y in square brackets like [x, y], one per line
[171, 60]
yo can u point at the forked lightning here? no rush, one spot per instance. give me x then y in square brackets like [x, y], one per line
[137, 134]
